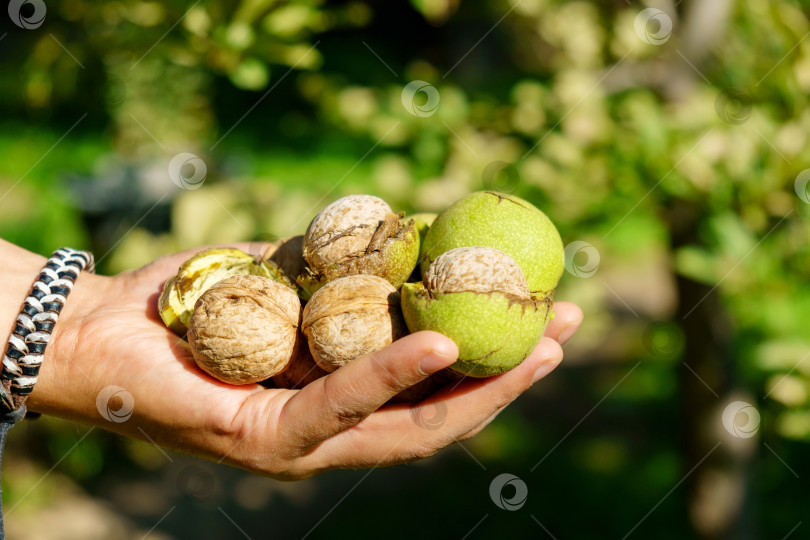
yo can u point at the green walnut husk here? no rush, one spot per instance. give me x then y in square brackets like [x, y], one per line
[200, 273]
[504, 222]
[478, 297]
[358, 234]
[422, 221]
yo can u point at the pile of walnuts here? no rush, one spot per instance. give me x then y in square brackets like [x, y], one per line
[482, 272]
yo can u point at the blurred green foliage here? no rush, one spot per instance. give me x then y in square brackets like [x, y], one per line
[677, 162]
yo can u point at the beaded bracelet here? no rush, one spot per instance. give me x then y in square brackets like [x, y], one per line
[33, 327]
[31, 334]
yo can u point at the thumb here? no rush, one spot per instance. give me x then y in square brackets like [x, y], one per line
[343, 398]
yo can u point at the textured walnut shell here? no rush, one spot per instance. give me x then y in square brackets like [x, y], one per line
[245, 329]
[358, 234]
[343, 229]
[199, 273]
[301, 371]
[350, 317]
[476, 269]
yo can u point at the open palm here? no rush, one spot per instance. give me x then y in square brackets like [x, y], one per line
[112, 356]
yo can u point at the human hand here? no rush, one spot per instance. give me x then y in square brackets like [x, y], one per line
[110, 334]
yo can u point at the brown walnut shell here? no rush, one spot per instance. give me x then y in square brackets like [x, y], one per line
[245, 329]
[350, 317]
[343, 229]
[476, 269]
[358, 234]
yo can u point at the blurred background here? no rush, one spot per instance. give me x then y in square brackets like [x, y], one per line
[667, 140]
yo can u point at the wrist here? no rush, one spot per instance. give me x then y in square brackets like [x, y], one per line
[57, 385]
[17, 275]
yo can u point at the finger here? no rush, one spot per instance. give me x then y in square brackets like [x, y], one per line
[343, 398]
[567, 318]
[404, 433]
[480, 428]
[541, 373]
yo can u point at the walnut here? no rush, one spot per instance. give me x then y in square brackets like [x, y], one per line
[476, 269]
[479, 298]
[343, 228]
[350, 317]
[359, 234]
[244, 329]
[197, 274]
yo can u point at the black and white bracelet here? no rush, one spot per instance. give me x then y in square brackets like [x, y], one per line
[33, 327]
[31, 334]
